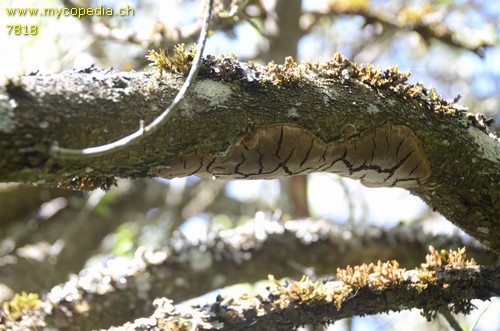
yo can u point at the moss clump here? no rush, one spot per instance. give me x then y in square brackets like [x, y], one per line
[228, 68]
[340, 67]
[180, 62]
[427, 277]
[307, 291]
[286, 73]
[443, 258]
[225, 67]
[352, 280]
[437, 259]
[22, 304]
[377, 277]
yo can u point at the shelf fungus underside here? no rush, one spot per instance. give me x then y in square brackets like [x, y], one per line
[389, 156]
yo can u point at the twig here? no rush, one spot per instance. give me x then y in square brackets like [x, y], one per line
[445, 312]
[143, 132]
[254, 24]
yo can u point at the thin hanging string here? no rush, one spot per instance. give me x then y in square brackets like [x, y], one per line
[61, 152]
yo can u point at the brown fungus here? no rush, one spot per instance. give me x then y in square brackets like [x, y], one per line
[389, 156]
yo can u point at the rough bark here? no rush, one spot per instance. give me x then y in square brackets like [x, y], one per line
[337, 103]
[116, 294]
[283, 43]
[298, 303]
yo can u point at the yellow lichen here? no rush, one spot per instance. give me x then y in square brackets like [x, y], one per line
[22, 304]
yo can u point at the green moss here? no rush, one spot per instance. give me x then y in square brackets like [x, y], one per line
[228, 68]
[180, 62]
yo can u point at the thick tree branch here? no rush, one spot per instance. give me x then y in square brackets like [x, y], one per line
[338, 102]
[159, 121]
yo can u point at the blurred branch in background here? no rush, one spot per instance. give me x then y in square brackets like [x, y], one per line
[186, 269]
[425, 19]
[61, 243]
[18, 201]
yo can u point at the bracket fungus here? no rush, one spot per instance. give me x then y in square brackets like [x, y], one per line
[389, 156]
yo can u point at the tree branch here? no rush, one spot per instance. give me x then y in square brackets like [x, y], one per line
[97, 296]
[151, 128]
[425, 28]
[298, 303]
[338, 102]
[65, 242]
[246, 254]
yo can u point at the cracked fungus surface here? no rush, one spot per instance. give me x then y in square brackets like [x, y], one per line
[389, 156]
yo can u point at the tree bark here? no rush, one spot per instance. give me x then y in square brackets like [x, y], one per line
[115, 294]
[298, 303]
[79, 109]
[285, 43]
